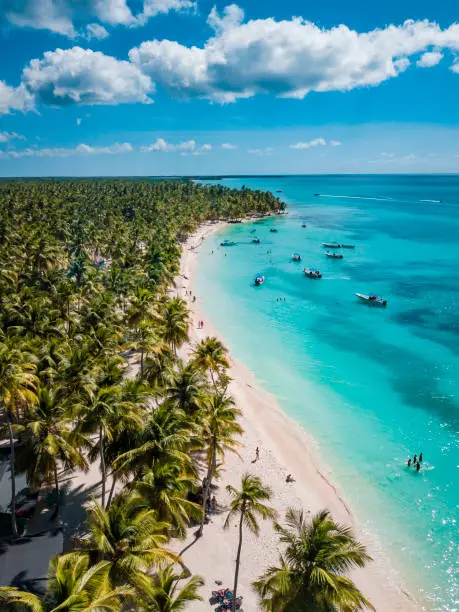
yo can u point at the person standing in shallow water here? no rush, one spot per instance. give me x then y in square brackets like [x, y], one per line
[415, 458]
[420, 457]
[418, 466]
[409, 462]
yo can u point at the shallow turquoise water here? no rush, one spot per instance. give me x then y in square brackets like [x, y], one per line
[373, 386]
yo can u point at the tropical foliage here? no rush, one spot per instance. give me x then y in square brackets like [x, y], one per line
[312, 574]
[91, 377]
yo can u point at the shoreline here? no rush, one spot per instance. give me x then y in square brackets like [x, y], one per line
[284, 448]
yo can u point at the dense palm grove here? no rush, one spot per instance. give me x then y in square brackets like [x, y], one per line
[91, 373]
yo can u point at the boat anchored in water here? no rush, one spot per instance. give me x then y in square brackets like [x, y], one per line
[334, 255]
[256, 240]
[312, 273]
[348, 246]
[259, 280]
[372, 300]
[331, 245]
[273, 230]
[296, 257]
[227, 243]
[303, 225]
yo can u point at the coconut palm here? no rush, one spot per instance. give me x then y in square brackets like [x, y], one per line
[210, 356]
[105, 413]
[166, 595]
[187, 390]
[312, 572]
[175, 320]
[49, 438]
[164, 487]
[73, 585]
[18, 390]
[248, 504]
[130, 539]
[221, 428]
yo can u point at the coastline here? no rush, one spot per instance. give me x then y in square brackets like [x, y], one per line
[284, 448]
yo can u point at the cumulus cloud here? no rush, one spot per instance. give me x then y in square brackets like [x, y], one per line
[83, 76]
[317, 142]
[335, 143]
[429, 59]
[15, 98]
[288, 58]
[81, 150]
[455, 66]
[7, 136]
[163, 146]
[228, 145]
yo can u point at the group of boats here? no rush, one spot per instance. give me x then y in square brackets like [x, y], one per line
[315, 273]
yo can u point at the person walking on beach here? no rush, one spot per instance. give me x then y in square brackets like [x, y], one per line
[257, 454]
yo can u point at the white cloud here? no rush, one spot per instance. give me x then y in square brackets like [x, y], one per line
[455, 66]
[82, 76]
[163, 146]
[265, 151]
[7, 136]
[59, 15]
[429, 59]
[287, 58]
[15, 98]
[385, 154]
[95, 30]
[81, 150]
[335, 143]
[206, 147]
[308, 145]
[228, 145]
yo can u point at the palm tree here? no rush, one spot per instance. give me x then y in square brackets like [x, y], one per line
[18, 390]
[312, 575]
[167, 596]
[175, 320]
[210, 355]
[187, 390]
[49, 438]
[248, 504]
[130, 539]
[164, 487]
[72, 585]
[107, 412]
[220, 430]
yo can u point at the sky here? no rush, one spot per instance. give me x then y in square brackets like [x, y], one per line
[185, 87]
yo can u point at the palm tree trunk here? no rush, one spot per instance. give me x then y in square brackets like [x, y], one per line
[206, 491]
[238, 560]
[112, 490]
[102, 463]
[56, 484]
[14, 526]
[141, 362]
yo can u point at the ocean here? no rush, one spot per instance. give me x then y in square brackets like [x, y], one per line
[373, 386]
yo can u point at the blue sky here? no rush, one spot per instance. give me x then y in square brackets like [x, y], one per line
[121, 87]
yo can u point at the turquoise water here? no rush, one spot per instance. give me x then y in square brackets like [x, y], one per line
[373, 386]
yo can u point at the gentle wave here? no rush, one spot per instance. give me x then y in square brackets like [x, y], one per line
[348, 197]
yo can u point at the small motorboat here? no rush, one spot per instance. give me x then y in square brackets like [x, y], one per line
[259, 280]
[312, 273]
[296, 257]
[227, 243]
[334, 255]
[273, 230]
[317, 194]
[372, 300]
[278, 190]
[331, 245]
[303, 225]
[256, 240]
[348, 246]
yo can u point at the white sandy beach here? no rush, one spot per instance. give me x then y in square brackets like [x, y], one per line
[284, 448]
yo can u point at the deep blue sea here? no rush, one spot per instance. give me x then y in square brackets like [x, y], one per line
[372, 385]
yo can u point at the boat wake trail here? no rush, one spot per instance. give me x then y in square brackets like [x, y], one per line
[348, 197]
[432, 201]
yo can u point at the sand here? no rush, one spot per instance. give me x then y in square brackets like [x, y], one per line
[284, 448]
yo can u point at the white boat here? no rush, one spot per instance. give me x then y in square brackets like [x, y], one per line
[372, 300]
[312, 273]
[256, 240]
[296, 257]
[273, 230]
[259, 280]
[227, 243]
[334, 255]
[331, 245]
